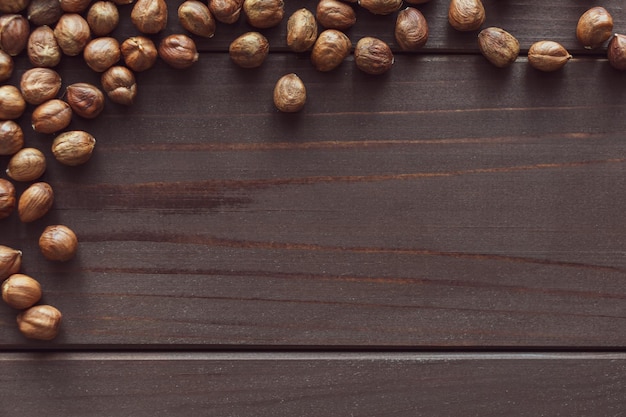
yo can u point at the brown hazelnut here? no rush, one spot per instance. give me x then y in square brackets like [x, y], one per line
[594, 27]
[72, 33]
[103, 17]
[39, 85]
[86, 100]
[58, 243]
[14, 32]
[6, 66]
[12, 104]
[416, 1]
[74, 6]
[373, 56]
[411, 30]
[119, 84]
[51, 116]
[35, 202]
[139, 53]
[498, 46]
[102, 53]
[301, 30]
[289, 94]
[382, 7]
[263, 14]
[334, 14]
[226, 11]
[7, 198]
[179, 51]
[616, 52]
[330, 49]
[196, 17]
[122, 2]
[40, 322]
[13, 6]
[249, 50]
[149, 16]
[73, 148]
[547, 56]
[11, 137]
[43, 48]
[27, 164]
[21, 291]
[10, 261]
[466, 15]
[44, 12]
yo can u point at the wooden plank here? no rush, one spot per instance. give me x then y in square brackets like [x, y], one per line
[429, 207]
[311, 385]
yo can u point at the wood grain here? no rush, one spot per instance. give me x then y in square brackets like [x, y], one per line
[429, 207]
[312, 385]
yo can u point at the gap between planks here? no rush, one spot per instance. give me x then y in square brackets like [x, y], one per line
[305, 356]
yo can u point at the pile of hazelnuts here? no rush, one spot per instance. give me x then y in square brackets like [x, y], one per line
[46, 31]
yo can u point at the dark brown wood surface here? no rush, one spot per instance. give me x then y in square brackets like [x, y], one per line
[446, 207]
[312, 384]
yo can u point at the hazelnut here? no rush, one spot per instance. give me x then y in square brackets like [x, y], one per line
[86, 100]
[73, 148]
[10, 261]
[149, 16]
[21, 291]
[12, 104]
[13, 6]
[179, 51]
[40, 322]
[102, 53]
[616, 52]
[51, 116]
[334, 14]
[195, 17]
[139, 53]
[14, 32]
[466, 15]
[11, 137]
[330, 49]
[43, 48]
[122, 2]
[27, 164]
[498, 46]
[249, 50]
[39, 85]
[6, 66]
[74, 6]
[103, 17]
[226, 11]
[119, 84]
[373, 56]
[416, 1]
[289, 94]
[7, 198]
[382, 7]
[58, 243]
[72, 33]
[548, 56]
[44, 12]
[411, 30]
[35, 202]
[263, 14]
[301, 30]
[594, 27]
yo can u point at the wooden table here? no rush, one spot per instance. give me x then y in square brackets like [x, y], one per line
[447, 239]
